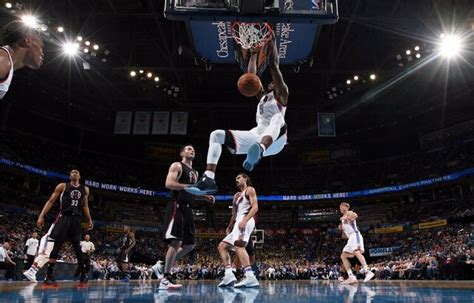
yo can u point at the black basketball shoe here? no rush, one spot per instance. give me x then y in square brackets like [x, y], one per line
[205, 186]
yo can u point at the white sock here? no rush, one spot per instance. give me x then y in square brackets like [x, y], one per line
[228, 271]
[210, 173]
[349, 272]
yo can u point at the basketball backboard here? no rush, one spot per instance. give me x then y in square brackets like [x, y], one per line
[296, 24]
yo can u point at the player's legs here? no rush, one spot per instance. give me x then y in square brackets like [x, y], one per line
[365, 269]
[266, 139]
[249, 277]
[229, 278]
[237, 141]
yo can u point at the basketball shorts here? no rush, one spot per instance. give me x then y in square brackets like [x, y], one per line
[67, 228]
[179, 223]
[355, 242]
[122, 257]
[237, 234]
[239, 141]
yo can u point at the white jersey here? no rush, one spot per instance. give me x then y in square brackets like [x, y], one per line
[5, 83]
[349, 226]
[242, 204]
[32, 245]
[87, 246]
[267, 108]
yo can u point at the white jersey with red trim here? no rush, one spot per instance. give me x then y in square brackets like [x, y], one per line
[267, 108]
[242, 204]
[349, 226]
[5, 83]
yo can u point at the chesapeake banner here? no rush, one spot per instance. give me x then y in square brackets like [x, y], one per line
[433, 224]
[389, 229]
[383, 251]
[308, 197]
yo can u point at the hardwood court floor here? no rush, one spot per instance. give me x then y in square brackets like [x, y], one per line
[269, 291]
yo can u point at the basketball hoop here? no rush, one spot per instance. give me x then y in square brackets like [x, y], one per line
[251, 35]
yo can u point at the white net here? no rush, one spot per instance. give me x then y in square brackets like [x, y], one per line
[251, 35]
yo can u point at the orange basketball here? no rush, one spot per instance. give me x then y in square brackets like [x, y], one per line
[249, 85]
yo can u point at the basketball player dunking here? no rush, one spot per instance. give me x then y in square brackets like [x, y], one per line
[23, 47]
[67, 227]
[266, 139]
[244, 208]
[123, 253]
[179, 224]
[354, 246]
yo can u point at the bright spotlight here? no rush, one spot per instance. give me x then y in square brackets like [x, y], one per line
[408, 52]
[372, 77]
[348, 82]
[417, 48]
[141, 71]
[157, 79]
[70, 49]
[418, 56]
[86, 50]
[60, 29]
[79, 38]
[450, 46]
[133, 73]
[87, 43]
[96, 47]
[8, 5]
[356, 77]
[149, 75]
[442, 36]
[30, 21]
[44, 28]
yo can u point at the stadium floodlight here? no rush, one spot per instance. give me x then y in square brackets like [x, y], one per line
[70, 49]
[348, 82]
[133, 73]
[60, 29]
[30, 21]
[372, 77]
[450, 45]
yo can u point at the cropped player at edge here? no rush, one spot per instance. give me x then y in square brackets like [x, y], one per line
[268, 138]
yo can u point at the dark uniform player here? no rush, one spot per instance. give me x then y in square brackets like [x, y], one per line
[123, 253]
[74, 204]
[179, 224]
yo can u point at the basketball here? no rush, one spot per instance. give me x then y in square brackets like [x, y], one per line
[249, 85]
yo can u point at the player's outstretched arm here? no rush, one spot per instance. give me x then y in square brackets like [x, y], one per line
[279, 86]
[47, 206]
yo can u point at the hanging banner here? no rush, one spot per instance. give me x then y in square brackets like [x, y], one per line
[123, 123]
[326, 125]
[161, 121]
[142, 123]
[389, 229]
[432, 224]
[179, 123]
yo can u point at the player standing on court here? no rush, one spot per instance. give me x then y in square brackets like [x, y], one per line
[128, 242]
[74, 201]
[354, 246]
[244, 209]
[22, 47]
[179, 223]
[268, 138]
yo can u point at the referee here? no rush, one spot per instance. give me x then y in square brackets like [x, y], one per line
[87, 248]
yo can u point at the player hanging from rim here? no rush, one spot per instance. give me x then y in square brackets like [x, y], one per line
[74, 201]
[244, 209]
[268, 138]
[123, 252]
[354, 246]
[23, 46]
